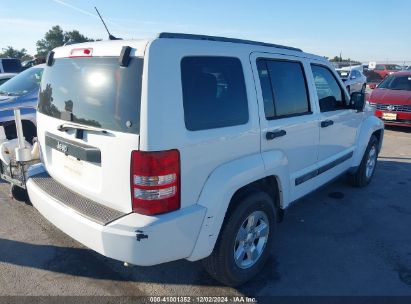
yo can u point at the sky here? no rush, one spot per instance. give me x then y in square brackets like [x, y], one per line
[364, 30]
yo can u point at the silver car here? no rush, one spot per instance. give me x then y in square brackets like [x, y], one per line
[354, 79]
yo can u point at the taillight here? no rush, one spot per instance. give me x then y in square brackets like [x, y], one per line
[155, 181]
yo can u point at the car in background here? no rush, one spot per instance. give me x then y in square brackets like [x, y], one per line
[386, 69]
[6, 76]
[10, 65]
[27, 64]
[392, 99]
[21, 91]
[33, 62]
[354, 80]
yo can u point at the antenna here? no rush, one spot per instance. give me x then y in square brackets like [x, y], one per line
[111, 37]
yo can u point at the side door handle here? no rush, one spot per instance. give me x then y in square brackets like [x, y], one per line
[270, 135]
[326, 123]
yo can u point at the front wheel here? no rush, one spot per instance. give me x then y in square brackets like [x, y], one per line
[243, 246]
[367, 167]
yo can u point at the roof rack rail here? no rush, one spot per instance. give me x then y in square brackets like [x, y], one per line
[223, 39]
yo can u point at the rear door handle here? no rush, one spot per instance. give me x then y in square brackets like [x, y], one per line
[270, 135]
[326, 123]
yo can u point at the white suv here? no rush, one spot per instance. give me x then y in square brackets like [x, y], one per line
[190, 147]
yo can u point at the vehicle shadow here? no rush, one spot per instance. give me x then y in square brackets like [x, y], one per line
[398, 129]
[318, 223]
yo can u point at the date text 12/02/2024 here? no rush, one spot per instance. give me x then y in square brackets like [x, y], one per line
[203, 299]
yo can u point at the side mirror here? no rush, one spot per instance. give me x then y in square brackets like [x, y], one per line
[357, 101]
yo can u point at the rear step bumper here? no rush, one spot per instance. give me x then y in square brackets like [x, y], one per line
[87, 208]
[133, 238]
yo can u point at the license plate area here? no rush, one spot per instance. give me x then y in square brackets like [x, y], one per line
[389, 116]
[76, 150]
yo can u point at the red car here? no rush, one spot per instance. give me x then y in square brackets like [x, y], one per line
[386, 69]
[392, 99]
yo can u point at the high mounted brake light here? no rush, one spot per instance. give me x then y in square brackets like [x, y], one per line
[155, 181]
[81, 52]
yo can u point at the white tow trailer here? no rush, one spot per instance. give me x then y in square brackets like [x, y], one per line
[16, 155]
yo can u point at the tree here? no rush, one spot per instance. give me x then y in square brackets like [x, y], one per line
[55, 37]
[11, 52]
[75, 36]
[336, 59]
[348, 60]
[52, 39]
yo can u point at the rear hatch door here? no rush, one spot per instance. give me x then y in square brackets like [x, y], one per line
[88, 125]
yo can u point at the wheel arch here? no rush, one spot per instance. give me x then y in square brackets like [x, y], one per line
[370, 126]
[238, 177]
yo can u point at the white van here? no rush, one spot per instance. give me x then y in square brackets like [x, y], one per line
[190, 147]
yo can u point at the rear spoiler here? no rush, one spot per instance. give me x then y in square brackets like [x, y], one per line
[87, 52]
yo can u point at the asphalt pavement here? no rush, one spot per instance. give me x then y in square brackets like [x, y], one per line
[339, 241]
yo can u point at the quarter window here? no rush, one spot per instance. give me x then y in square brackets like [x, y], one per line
[330, 94]
[284, 88]
[214, 92]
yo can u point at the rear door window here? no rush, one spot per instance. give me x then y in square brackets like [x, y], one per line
[214, 92]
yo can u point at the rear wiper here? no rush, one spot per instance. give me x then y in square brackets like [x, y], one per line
[80, 129]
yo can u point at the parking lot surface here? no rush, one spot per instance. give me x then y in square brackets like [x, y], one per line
[339, 241]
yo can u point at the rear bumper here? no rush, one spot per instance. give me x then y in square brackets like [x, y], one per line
[133, 238]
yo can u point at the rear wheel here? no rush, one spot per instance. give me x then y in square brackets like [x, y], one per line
[243, 246]
[367, 167]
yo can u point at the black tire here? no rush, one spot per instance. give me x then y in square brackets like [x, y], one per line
[360, 178]
[20, 194]
[221, 264]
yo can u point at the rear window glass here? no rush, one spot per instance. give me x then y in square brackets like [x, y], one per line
[214, 93]
[95, 91]
[343, 74]
[11, 65]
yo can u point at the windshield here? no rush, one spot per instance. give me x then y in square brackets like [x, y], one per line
[393, 67]
[343, 74]
[22, 83]
[396, 83]
[93, 91]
